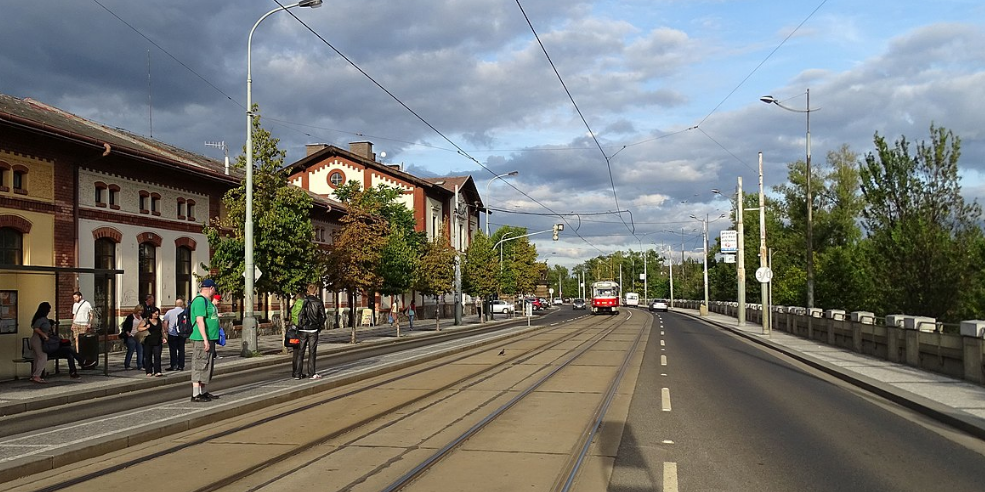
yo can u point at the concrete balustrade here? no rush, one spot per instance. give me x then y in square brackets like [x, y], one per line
[918, 341]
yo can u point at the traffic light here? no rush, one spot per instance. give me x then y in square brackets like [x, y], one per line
[557, 228]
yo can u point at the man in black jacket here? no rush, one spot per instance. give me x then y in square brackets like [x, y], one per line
[311, 321]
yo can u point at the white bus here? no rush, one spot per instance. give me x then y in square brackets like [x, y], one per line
[632, 299]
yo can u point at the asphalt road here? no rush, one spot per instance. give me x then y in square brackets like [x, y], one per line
[724, 414]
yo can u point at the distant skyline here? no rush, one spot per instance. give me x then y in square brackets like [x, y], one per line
[670, 89]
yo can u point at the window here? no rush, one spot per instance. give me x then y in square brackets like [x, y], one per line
[19, 183]
[114, 197]
[144, 198]
[183, 272]
[11, 246]
[155, 203]
[147, 274]
[104, 288]
[181, 209]
[336, 179]
[4, 169]
[100, 194]
[190, 208]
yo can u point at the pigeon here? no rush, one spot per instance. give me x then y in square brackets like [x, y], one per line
[502, 352]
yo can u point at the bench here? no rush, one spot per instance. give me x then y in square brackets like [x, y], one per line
[27, 356]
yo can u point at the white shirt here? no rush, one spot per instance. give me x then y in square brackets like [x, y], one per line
[171, 319]
[82, 310]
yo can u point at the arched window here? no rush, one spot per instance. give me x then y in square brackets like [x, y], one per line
[11, 246]
[104, 292]
[147, 270]
[183, 272]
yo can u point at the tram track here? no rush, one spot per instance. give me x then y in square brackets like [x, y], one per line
[189, 441]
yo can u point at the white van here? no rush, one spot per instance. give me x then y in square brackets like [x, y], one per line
[632, 299]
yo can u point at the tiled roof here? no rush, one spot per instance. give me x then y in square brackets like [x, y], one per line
[45, 118]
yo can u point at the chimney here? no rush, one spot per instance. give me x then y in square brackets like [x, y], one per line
[363, 149]
[313, 148]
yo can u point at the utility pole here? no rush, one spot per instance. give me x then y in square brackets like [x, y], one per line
[741, 262]
[458, 262]
[762, 245]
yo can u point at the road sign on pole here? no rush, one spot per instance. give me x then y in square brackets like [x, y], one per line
[730, 241]
[764, 274]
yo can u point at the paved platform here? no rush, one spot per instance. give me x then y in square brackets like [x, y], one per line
[23, 395]
[957, 403]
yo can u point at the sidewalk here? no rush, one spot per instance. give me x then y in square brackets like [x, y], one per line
[954, 402]
[22, 395]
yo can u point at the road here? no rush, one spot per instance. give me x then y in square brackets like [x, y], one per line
[724, 414]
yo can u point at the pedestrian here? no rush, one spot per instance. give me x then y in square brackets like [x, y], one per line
[128, 333]
[153, 342]
[81, 318]
[148, 305]
[176, 342]
[311, 321]
[411, 312]
[395, 313]
[40, 327]
[204, 337]
[52, 344]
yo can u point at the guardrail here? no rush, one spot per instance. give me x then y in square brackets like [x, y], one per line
[955, 350]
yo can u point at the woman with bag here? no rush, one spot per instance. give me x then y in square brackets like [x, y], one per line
[40, 328]
[53, 346]
[128, 334]
[151, 331]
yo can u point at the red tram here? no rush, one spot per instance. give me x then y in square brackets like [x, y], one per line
[605, 297]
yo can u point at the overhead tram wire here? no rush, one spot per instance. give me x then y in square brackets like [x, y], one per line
[459, 149]
[608, 162]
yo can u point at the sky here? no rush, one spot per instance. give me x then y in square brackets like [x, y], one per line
[669, 89]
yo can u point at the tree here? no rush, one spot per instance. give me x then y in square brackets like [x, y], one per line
[282, 241]
[480, 270]
[925, 239]
[352, 261]
[435, 274]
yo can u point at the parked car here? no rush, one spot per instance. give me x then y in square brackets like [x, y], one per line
[535, 302]
[659, 305]
[558, 301]
[501, 307]
[578, 304]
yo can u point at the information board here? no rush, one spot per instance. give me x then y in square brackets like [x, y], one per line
[730, 241]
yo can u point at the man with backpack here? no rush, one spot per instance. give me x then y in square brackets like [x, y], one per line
[177, 322]
[310, 321]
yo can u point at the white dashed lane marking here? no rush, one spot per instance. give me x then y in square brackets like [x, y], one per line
[665, 399]
[670, 477]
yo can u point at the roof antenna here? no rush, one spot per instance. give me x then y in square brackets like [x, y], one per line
[150, 101]
[221, 145]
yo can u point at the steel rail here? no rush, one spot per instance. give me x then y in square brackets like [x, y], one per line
[414, 473]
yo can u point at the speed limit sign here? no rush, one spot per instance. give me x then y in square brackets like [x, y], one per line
[764, 274]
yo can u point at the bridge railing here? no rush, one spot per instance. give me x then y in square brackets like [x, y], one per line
[955, 350]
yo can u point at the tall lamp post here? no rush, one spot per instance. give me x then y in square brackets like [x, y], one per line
[810, 205]
[704, 223]
[249, 321]
[498, 176]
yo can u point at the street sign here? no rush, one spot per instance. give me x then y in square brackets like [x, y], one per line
[764, 274]
[551, 290]
[730, 241]
[642, 276]
[256, 273]
[729, 258]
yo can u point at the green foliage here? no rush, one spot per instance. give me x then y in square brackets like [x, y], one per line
[282, 240]
[353, 259]
[924, 236]
[398, 262]
[480, 270]
[435, 274]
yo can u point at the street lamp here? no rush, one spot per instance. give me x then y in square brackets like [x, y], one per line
[498, 176]
[704, 223]
[249, 322]
[810, 206]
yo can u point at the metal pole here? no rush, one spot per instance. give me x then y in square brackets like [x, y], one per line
[494, 178]
[706, 263]
[810, 213]
[670, 258]
[741, 262]
[762, 244]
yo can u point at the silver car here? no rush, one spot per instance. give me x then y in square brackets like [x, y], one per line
[502, 307]
[578, 304]
[659, 305]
